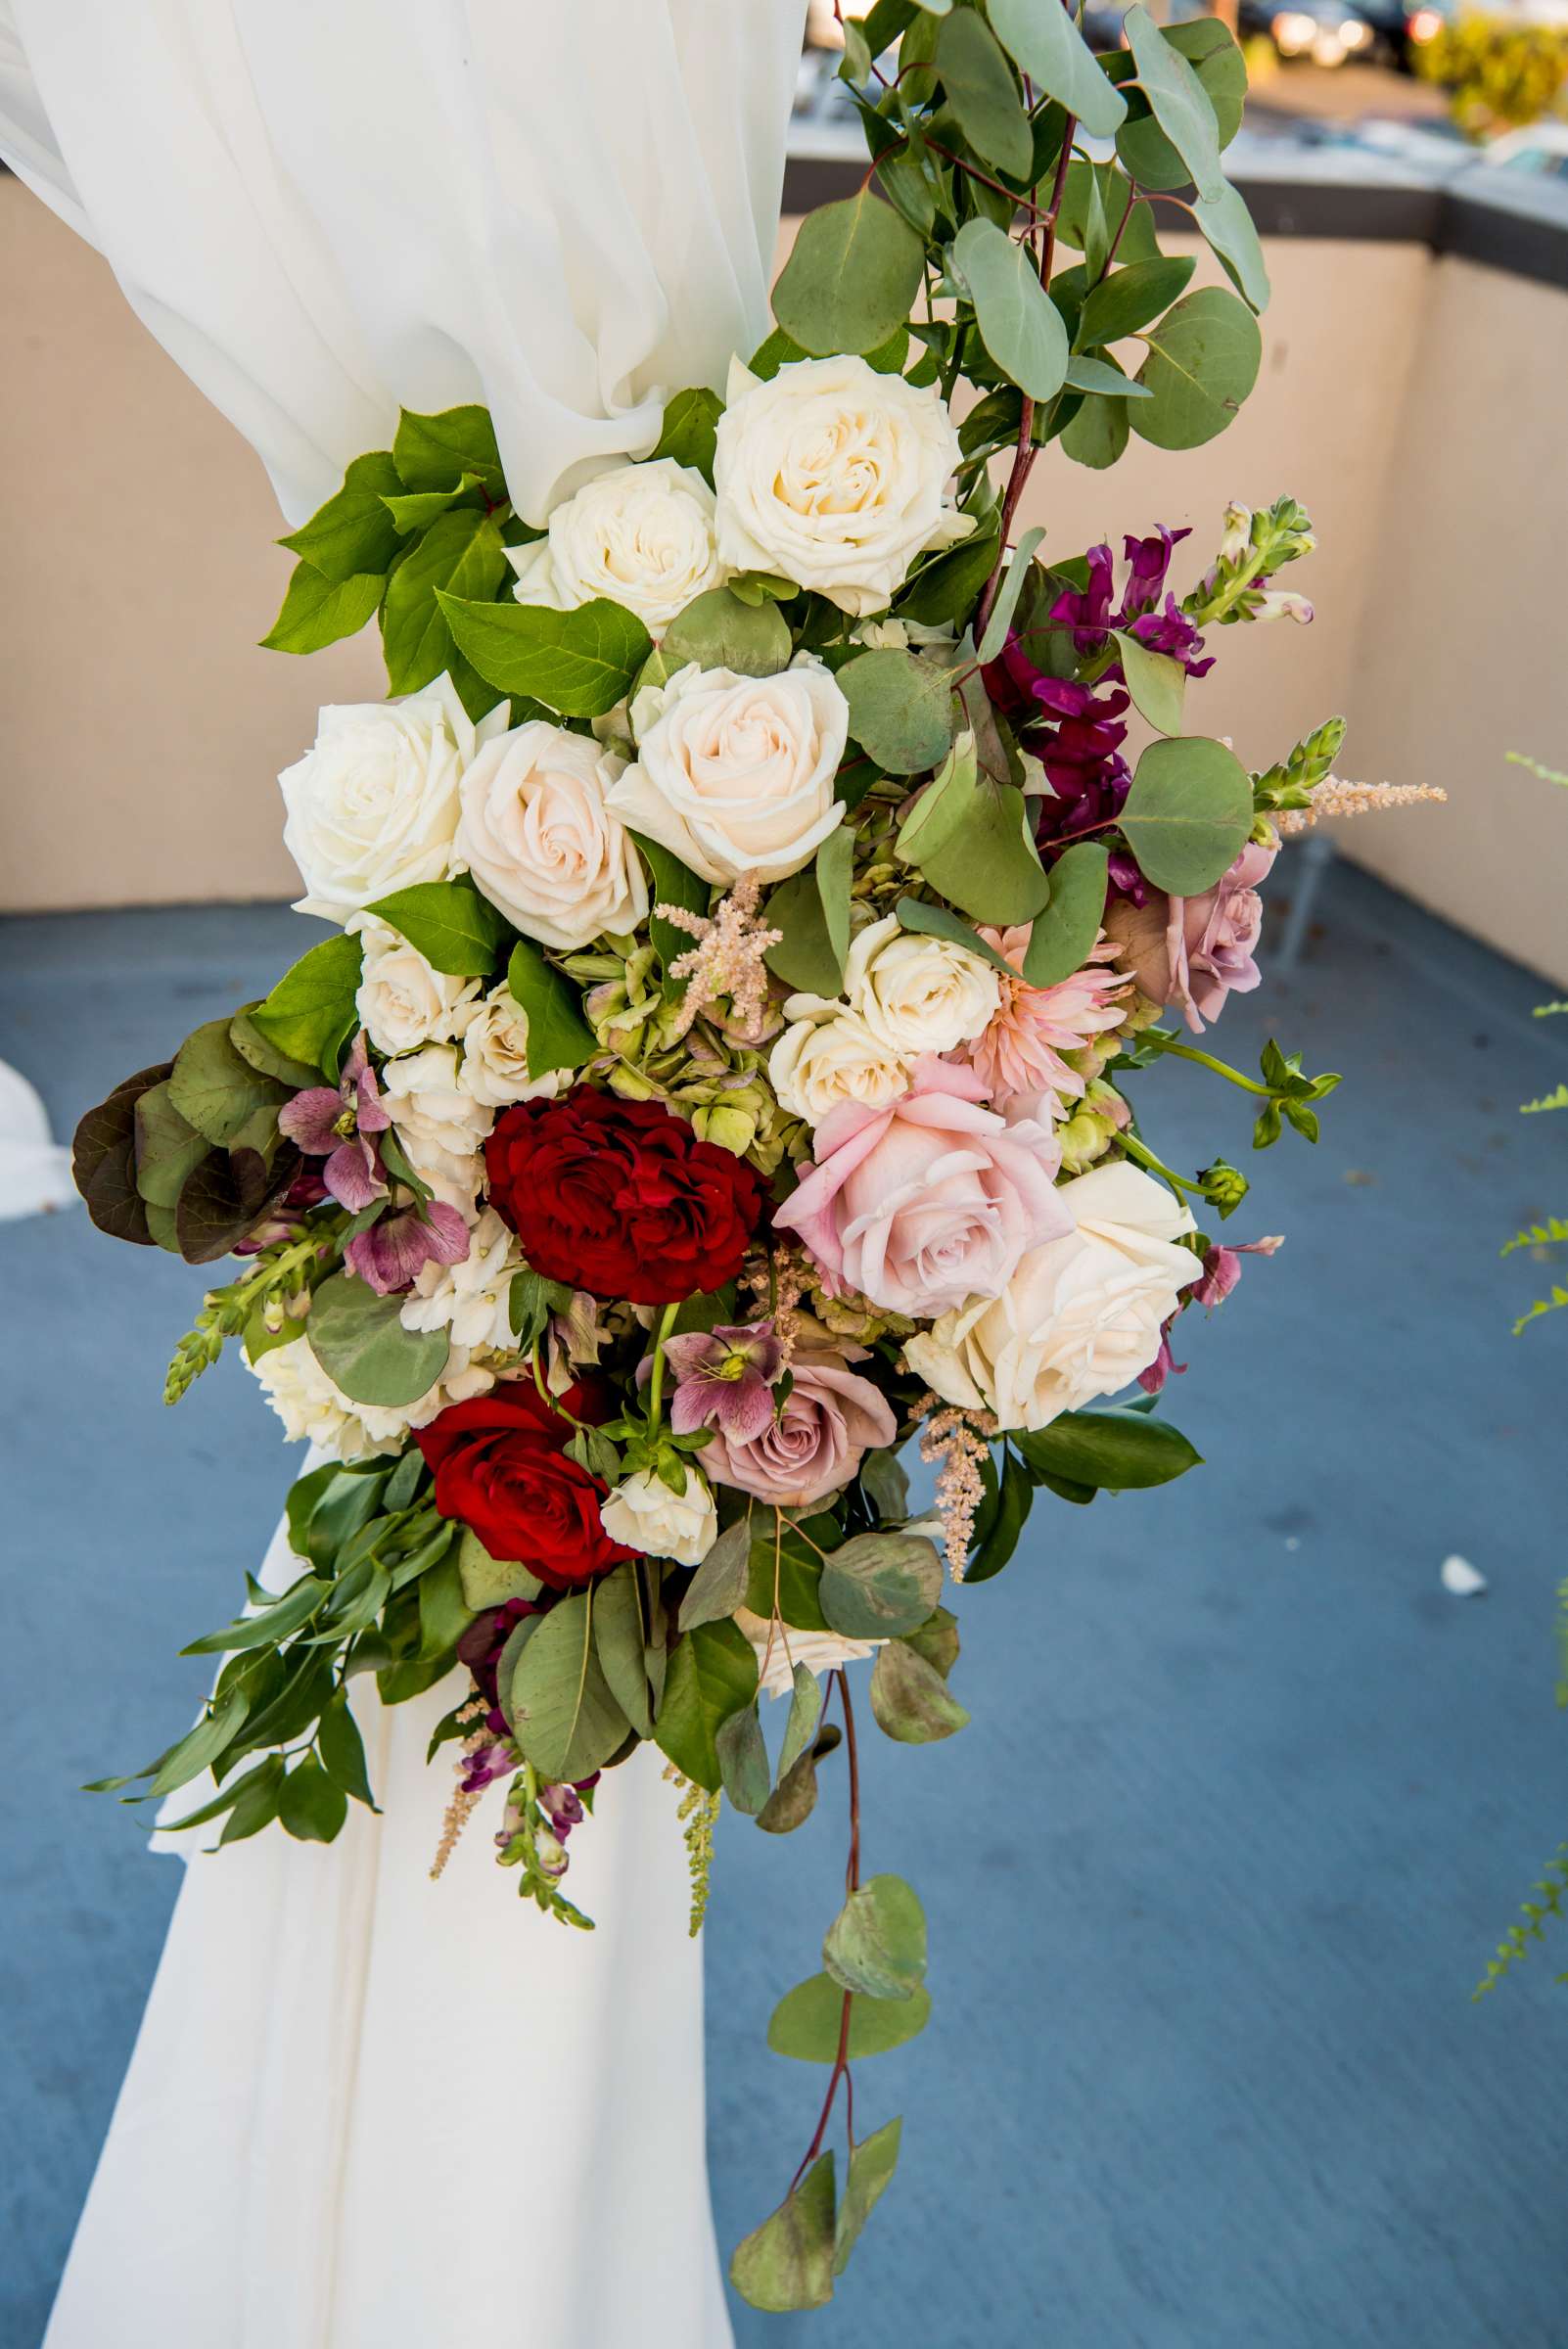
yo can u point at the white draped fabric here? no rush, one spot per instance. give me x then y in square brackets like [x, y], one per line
[367, 2111]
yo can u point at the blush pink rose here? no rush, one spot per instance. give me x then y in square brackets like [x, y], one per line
[930, 1200]
[831, 1419]
[1195, 951]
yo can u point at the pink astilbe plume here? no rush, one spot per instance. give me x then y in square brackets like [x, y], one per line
[1019, 1056]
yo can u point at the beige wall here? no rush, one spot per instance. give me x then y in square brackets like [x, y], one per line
[1410, 404]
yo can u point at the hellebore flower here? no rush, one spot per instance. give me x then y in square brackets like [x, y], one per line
[723, 1379]
[335, 1123]
[396, 1248]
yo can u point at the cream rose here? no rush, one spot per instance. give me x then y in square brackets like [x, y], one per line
[644, 1514]
[778, 1651]
[373, 806]
[495, 1055]
[833, 475]
[919, 994]
[831, 1056]
[312, 1407]
[403, 1001]
[438, 1123]
[1079, 1317]
[641, 534]
[539, 838]
[473, 1299]
[736, 773]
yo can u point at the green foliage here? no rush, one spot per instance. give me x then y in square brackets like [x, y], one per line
[881, 1585]
[455, 929]
[559, 1701]
[1203, 359]
[361, 1344]
[312, 1013]
[852, 277]
[721, 631]
[787, 2263]
[876, 1944]
[713, 1674]
[558, 1037]
[1188, 813]
[690, 430]
[1046, 44]
[1515, 1943]
[578, 663]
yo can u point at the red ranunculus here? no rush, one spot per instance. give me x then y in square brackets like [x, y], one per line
[621, 1198]
[500, 1469]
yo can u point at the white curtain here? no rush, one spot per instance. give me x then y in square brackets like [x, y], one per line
[365, 2111]
[324, 209]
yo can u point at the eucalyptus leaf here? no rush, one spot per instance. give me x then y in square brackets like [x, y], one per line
[558, 1036]
[1210, 49]
[1188, 815]
[564, 1713]
[900, 710]
[1202, 361]
[787, 2262]
[578, 663]
[852, 277]
[806, 956]
[1228, 226]
[1157, 684]
[1062, 935]
[1095, 201]
[743, 1760]
[981, 90]
[988, 863]
[1178, 100]
[1129, 297]
[1020, 326]
[720, 631]
[934, 921]
[878, 1586]
[458, 931]
[872, 2163]
[876, 1944]
[805, 1712]
[216, 1089]
[945, 589]
[911, 1701]
[1046, 43]
[361, 1344]
[1103, 378]
[718, 1585]
[807, 2023]
[1007, 595]
[794, 1798]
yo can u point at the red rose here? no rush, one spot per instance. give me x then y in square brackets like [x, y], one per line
[620, 1197]
[500, 1469]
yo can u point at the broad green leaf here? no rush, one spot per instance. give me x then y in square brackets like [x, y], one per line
[1156, 682]
[1062, 938]
[1188, 813]
[1114, 1451]
[936, 1641]
[343, 1750]
[417, 509]
[806, 956]
[787, 2262]
[579, 663]
[311, 1011]
[743, 1760]
[805, 1711]
[456, 929]
[558, 1036]
[1097, 436]
[1020, 326]
[1228, 224]
[1129, 297]
[352, 533]
[672, 883]
[268, 1625]
[244, 1789]
[946, 588]
[852, 277]
[1178, 98]
[787, 1570]
[434, 452]
[567, 1719]
[1202, 361]
[261, 1053]
[807, 2021]
[998, 1522]
[900, 710]
[985, 860]
[168, 1149]
[317, 611]
[1045, 40]
[794, 1798]
[712, 1675]
[876, 1944]
[216, 1090]
[201, 1747]
[1211, 50]
[689, 430]
[718, 1585]
[490, 1582]
[982, 92]
[872, 2163]
[934, 921]
[1101, 189]
[882, 1475]
[362, 1346]
[1007, 595]
[878, 1586]
[835, 876]
[311, 1807]
[226, 1196]
[720, 631]
[617, 1636]
[910, 1700]
[462, 555]
[1102, 378]
[777, 350]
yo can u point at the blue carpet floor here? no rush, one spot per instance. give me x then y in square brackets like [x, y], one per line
[1246, 1799]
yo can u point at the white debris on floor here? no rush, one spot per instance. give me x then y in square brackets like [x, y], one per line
[1461, 1579]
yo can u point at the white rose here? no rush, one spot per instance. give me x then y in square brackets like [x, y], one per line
[438, 1123]
[539, 839]
[1081, 1317]
[403, 1001]
[312, 1407]
[736, 773]
[832, 475]
[819, 1651]
[919, 994]
[641, 534]
[820, 1062]
[495, 1055]
[473, 1299]
[373, 806]
[644, 1514]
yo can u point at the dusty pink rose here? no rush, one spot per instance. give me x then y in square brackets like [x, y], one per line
[831, 1419]
[1018, 1058]
[930, 1200]
[1194, 951]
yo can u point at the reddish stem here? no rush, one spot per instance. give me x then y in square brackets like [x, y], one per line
[851, 1881]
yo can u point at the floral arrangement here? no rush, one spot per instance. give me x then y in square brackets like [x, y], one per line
[751, 916]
